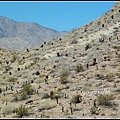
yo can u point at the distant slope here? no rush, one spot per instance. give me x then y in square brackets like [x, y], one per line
[21, 35]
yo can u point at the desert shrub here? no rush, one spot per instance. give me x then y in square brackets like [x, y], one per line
[103, 64]
[22, 111]
[21, 61]
[117, 48]
[118, 74]
[117, 90]
[46, 104]
[105, 99]
[79, 68]
[31, 64]
[98, 22]
[100, 75]
[15, 97]
[76, 99]
[57, 94]
[19, 96]
[93, 109]
[109, 77]
[74, 41]
[43, 59]
[88, 83]
[64, 76]
[22, 95]
[8, 109]
[12, 79]
[13, 59]
[27, 88]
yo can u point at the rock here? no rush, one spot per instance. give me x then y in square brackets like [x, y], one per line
[97, 112]
[71, 116]
[29, 101]
[77, 108]
[45, 96]
[103, 114]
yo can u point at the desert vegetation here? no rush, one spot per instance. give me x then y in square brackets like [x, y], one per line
[73, 76]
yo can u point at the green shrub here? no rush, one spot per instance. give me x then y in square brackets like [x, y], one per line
[105, 99]
[118, 74]
[93, 109]
[12, 79]
[98, 22]
[15, 97]
[109, 78]
[22, 111]
[13, 59]
[19, 96]
[64, 76]
[22, 95]
[9, 108]
[27, 88]
[79, 68]
[76, 99]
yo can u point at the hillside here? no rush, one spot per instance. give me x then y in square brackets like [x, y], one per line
[73, 76]
[21, 35]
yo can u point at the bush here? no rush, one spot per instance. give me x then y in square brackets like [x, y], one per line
[76, 99]
[105, 99]
[109, 78]
[28, 89]
[21, 111]
[93, 109]
[64, 76]
[12, 79]
[22, 95]
[13, 59]
[79, 68]
[100, 75]
[118, 74]
[9, 109]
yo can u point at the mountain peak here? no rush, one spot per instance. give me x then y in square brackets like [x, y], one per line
[29, 34]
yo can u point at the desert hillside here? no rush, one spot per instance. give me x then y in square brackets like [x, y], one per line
[73, 76]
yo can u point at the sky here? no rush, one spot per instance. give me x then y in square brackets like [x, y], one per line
[57, 15]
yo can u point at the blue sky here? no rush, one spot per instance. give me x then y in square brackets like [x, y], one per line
[55, 14]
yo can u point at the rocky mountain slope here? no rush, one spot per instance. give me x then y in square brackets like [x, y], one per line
[21, 35]
[73, 76]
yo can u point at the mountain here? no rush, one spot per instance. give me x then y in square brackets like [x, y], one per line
[22, 35]
[76, 75]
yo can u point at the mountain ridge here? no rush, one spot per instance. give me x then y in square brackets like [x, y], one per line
[31, 33]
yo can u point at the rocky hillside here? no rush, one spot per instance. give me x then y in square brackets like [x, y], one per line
[21, 35]
[73, 76]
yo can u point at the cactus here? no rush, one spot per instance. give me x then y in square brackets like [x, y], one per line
[0, 90]
[51, 94]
